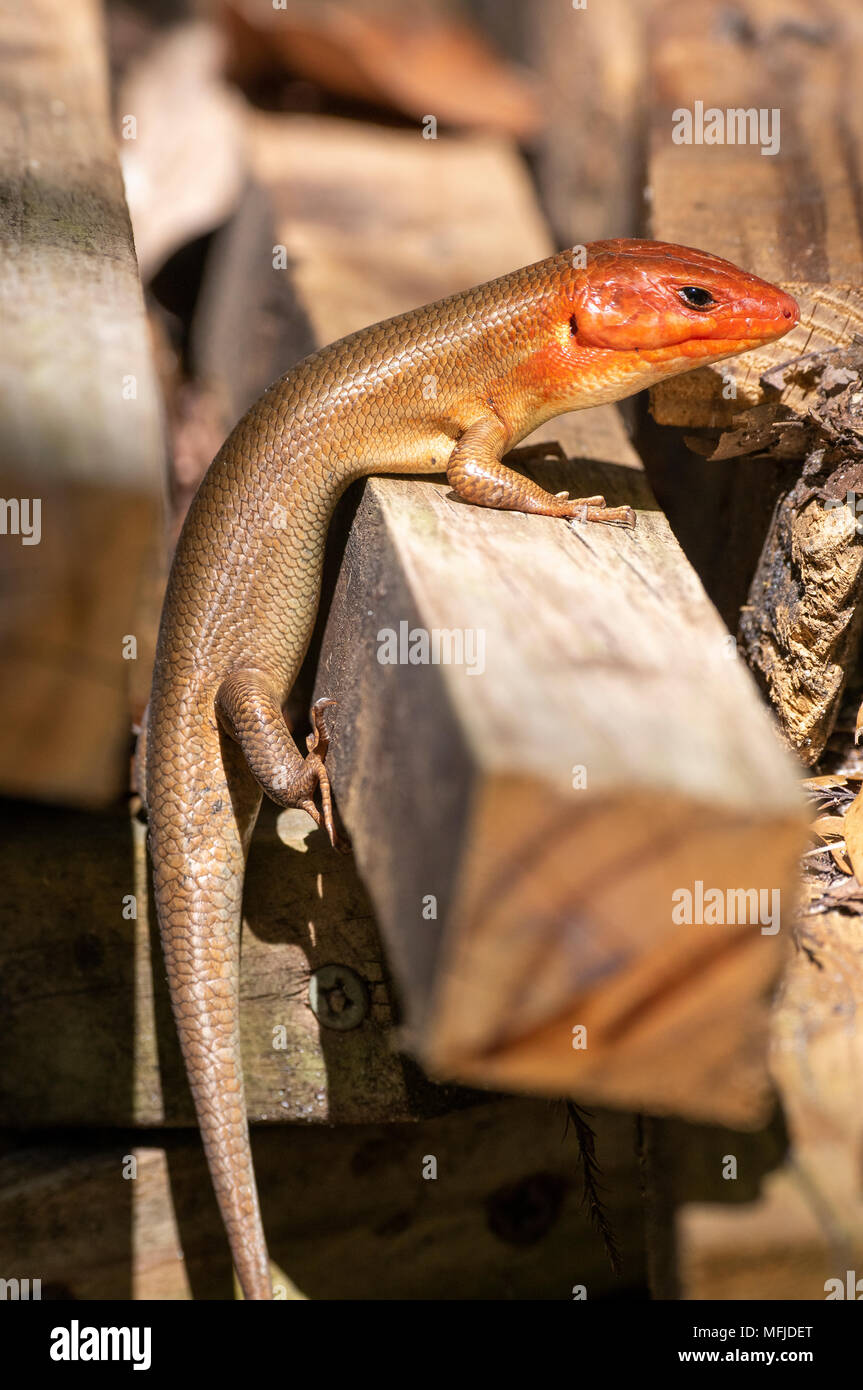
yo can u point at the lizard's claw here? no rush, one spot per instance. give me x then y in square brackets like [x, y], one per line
[594, 509]
[318, 743]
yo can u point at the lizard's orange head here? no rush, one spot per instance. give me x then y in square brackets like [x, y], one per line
[673, 302]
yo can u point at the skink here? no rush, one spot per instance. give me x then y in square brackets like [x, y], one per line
[448, 387]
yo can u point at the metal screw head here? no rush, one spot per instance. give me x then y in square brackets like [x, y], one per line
[338, 997]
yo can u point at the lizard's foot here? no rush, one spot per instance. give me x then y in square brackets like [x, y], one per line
[316, 774]
[594, 509]
[318, 743]
[575, 506]
[248, 708]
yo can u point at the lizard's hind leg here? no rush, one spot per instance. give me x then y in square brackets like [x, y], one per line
[249, 710]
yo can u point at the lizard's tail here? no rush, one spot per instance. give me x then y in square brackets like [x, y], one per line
[202, 804]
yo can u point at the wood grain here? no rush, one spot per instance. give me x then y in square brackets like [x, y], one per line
[804, 1225]
[791, 1219]
[81, 429]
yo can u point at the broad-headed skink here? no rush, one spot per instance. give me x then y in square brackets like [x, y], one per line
[583, 327]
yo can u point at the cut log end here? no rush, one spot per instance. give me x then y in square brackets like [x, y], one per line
[616, 948]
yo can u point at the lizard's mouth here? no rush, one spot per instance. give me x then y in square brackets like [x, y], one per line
[695, 350]
[745, 331]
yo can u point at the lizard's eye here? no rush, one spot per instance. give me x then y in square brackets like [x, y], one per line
[696, 297]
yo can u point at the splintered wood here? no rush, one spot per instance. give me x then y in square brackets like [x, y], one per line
[791, 215]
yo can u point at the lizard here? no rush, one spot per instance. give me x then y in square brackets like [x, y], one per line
[572, 331]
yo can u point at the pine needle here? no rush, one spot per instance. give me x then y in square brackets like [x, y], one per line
[591, 1189]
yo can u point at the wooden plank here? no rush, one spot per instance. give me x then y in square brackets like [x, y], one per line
[404, 236]
[81, 431]
[498, 753]
[349, 1212]
[70, 951]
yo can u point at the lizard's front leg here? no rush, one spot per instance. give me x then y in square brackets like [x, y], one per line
[476, 473]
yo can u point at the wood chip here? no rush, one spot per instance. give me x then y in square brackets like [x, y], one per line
[854, 835]
[829, 826]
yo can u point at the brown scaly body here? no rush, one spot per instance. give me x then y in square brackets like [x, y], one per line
[450, 386]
